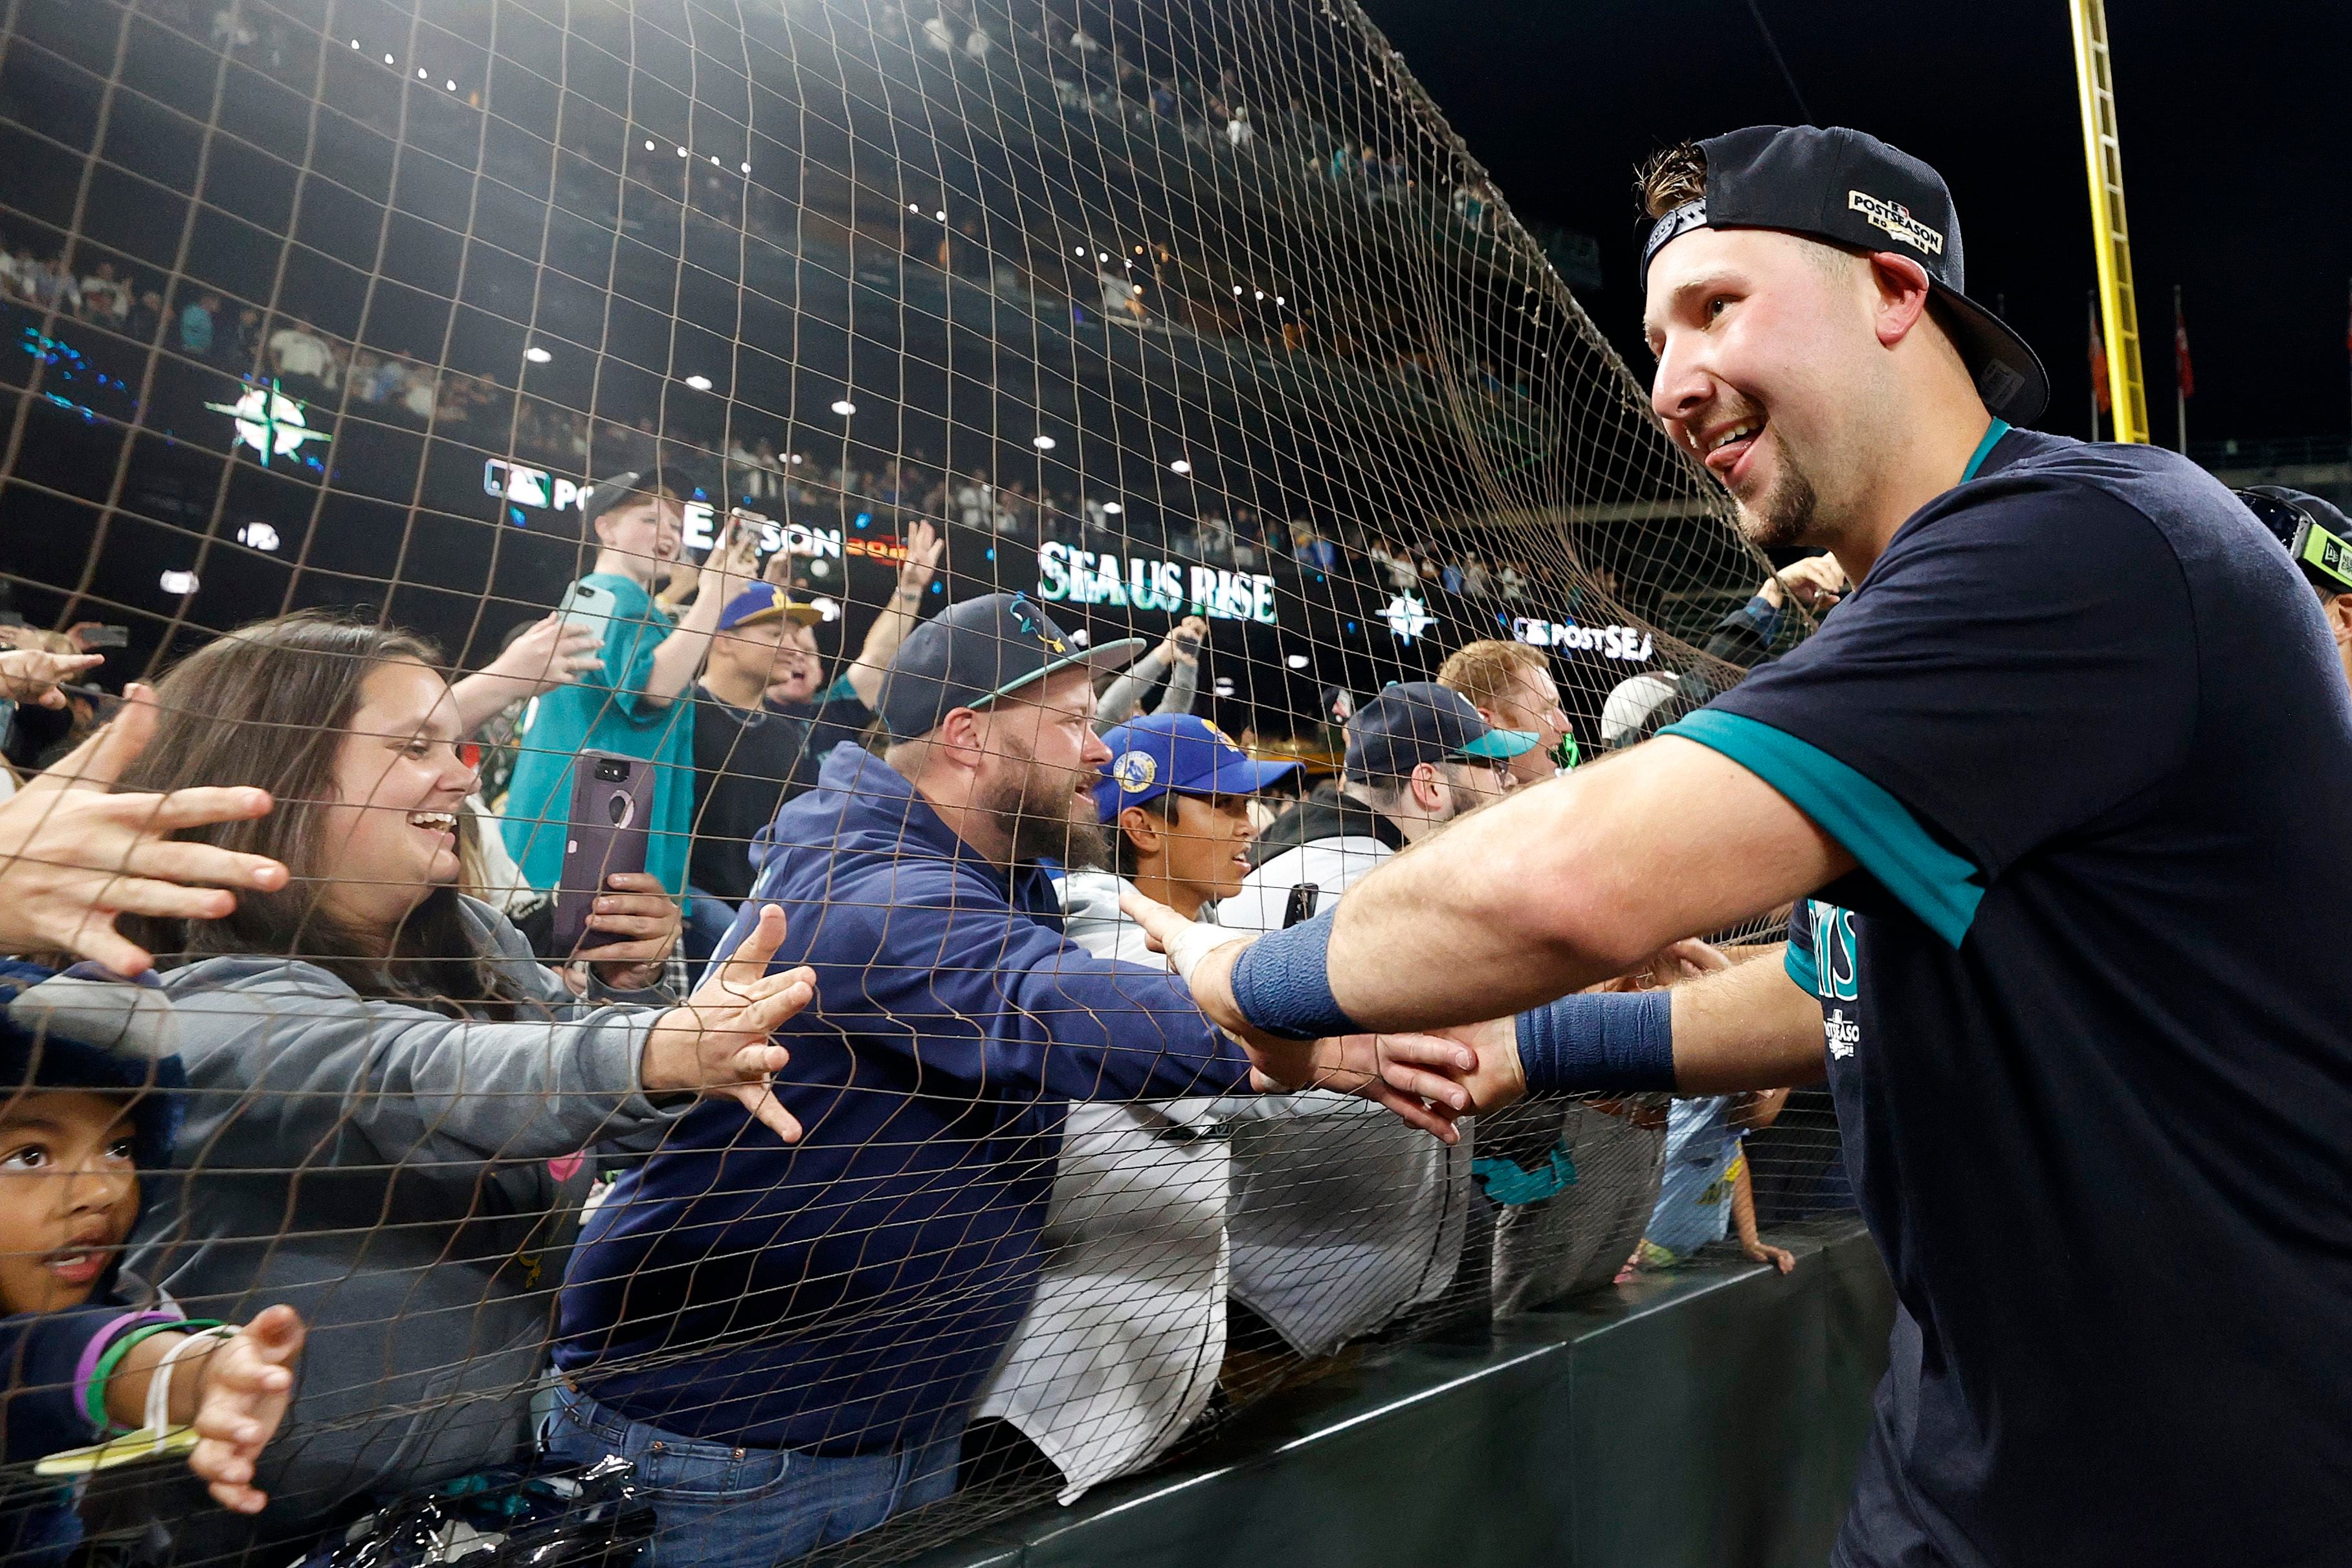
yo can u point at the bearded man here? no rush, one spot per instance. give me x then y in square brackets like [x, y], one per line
[827, 1310]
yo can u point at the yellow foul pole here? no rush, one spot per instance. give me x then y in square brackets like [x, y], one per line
[2119, 305]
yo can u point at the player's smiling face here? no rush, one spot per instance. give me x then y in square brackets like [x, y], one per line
[1761, 360]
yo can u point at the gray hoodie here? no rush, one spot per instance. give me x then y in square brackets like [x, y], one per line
[386, 1170]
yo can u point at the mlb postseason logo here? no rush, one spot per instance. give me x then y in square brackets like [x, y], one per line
[1895, 219]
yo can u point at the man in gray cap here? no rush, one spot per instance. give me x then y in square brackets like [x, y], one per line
[828, 1310]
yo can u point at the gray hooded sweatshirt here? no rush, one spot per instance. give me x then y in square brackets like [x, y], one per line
[408, 1182]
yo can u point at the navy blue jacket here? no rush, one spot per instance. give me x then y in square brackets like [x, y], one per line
[847, 1294]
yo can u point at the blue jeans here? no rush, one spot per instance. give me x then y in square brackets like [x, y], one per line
[724, 1507]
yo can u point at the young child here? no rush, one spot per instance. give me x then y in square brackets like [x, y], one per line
[89, 1352]
[1707, 1193]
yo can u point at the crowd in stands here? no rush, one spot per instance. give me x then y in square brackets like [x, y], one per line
[851, 1129]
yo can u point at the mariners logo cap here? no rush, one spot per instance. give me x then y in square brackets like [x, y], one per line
[1177, 753]
[972, 653]
[764, 602]
[1414, 722]
[1855, 191]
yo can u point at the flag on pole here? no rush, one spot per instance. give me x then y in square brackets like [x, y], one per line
[2182, 370]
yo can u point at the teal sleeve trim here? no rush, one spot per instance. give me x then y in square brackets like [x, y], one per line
[1875, 828]
[1803, 968]
[838, 690]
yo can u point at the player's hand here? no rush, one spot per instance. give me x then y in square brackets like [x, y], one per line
[1204, 958]
[31, 675]
[1495, 1078]
[645, 920]
[74, 856]
[553, 653]
[925, 547]
[718, 1044]
[247, 1385]
[1780, 1257]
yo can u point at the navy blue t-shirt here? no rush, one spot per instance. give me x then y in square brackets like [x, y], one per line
[2084, 729]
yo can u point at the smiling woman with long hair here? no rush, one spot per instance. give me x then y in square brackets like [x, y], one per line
[388, 1091]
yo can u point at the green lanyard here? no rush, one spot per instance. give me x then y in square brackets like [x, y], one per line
[1993, 433]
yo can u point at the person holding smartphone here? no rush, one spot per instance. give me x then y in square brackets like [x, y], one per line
[629, 706]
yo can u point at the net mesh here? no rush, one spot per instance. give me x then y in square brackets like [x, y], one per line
[1166, 316]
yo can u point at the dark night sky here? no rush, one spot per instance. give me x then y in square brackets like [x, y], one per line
[2232, 119]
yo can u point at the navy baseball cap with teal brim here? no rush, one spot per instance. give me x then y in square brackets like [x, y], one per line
[1414, 722]
[1177, 753]
[972, 653]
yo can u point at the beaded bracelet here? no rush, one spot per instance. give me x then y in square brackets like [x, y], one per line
[107, 1364]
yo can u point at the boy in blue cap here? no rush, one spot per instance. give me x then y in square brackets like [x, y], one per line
[1119, 1352]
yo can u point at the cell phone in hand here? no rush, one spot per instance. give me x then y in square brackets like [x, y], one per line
[589, 604]
[105, 637]
[611, 803]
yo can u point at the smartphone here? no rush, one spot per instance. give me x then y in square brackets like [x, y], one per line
[590, 605]
[105, 637]
[612, 802]
[1299, 907]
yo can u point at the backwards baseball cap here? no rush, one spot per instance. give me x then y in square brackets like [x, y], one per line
[1854, 190]
[2314, 531]
[972, 653]
[764, 602]
[1414, 722]
[1177, 753]
[606, 494]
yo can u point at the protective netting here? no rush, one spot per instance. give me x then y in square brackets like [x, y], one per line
[1188, 322]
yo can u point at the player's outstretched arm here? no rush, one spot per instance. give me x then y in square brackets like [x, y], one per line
[1749, 1026]
[1552, 890]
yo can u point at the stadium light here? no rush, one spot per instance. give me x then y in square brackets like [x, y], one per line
[1261, 294]
[180, 582]
[1136, 290]
[1102, 256]
[355, 43]
[1296, 660]
[843, 407]
[1078, 251]
[684, 154]
[537, 355]
[914, 207]
[1181, 466]
[940, 216]
[451, 85]
[1042, 443]
[420, 73]
[699, 383]
[258, 535]
[1279, 300]
[389, 61]
[649, 143]
[746, 166]
[1112, 508]
[1237, 291]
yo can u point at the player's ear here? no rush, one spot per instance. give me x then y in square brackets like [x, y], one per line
[2339, 616]
[1428, 786]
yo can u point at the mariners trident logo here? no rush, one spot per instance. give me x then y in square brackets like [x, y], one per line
[1024, 615]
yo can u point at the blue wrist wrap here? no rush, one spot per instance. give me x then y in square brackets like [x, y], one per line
[1609, 1041]
[1283, 983]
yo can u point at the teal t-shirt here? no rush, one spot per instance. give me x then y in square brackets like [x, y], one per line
[607, 711]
